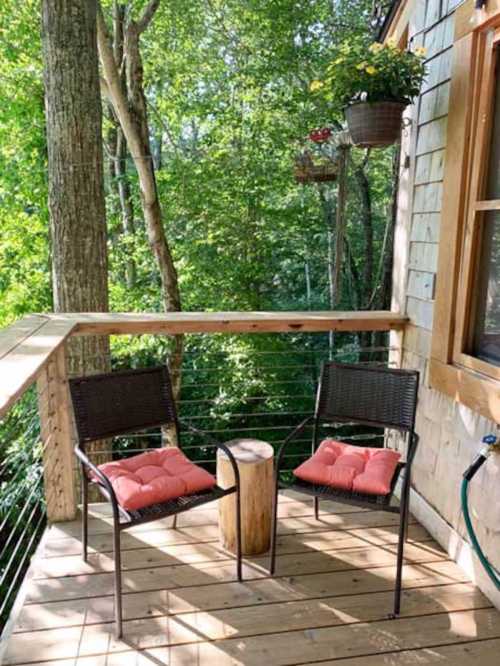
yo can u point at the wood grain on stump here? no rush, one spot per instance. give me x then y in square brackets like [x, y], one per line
[255, 464]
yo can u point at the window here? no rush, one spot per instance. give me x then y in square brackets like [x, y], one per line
[465, 356]
[485, 338]
[477, 343]
[477, 338]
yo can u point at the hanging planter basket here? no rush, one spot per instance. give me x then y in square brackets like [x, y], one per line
[315, 173]
[375, 125]
[320, 135]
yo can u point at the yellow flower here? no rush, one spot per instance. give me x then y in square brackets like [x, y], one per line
[315, 85]
[392, 42]
[420, 51]
[371, 70]
[361, 65]
[376, 47]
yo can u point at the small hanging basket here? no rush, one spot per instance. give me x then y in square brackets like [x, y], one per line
[315, 173]
[320, 135]
[375, 125]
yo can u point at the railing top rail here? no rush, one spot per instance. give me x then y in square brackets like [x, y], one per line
[25, 348]
[234, 322]
[27, 345]
[12, 336]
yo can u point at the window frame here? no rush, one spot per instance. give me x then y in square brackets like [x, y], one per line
[478, 205]
[453, 370]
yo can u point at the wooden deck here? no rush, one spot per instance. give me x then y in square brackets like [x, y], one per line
[328, 604]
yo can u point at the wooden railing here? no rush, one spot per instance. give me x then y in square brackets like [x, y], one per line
[34, 350]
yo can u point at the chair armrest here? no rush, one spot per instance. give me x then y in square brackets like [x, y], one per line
[218, 445]
[295, 432]
[412, 448]
[103, 479]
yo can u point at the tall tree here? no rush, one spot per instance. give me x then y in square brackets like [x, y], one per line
[127, 96]
[76, 192]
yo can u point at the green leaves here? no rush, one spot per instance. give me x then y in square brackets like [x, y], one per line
[228, 86]
[371, 72]
[24, 251]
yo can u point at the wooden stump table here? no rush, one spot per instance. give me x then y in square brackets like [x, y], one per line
[255, 464]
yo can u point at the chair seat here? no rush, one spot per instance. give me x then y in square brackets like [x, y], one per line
[178, 504]
[352, 469]
[155, 477]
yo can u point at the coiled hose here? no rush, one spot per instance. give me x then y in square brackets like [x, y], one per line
[469, 474]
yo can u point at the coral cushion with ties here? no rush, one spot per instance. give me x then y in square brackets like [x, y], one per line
[154, 477]
[350, 468]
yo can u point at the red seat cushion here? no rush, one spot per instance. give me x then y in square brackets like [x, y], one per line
[154, 477]
[352, 468]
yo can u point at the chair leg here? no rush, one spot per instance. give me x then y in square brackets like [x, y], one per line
[274, 530]
[316, 508]
[174, 522]
[407, 521]
[85, 516]
[403, 524]
[118, 579]
[239, 567]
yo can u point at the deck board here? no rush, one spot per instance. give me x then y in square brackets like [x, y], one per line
[209, 551]
[328, 603]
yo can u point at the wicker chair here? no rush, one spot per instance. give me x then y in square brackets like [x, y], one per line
[373, 396]
[117, 403]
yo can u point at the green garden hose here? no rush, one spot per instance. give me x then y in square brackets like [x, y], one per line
[489, 441]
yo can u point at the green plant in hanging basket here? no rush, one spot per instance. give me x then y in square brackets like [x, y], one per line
[372, 84]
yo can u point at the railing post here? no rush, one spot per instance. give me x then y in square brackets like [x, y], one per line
[57, 438]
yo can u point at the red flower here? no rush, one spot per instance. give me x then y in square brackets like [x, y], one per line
[320, 135]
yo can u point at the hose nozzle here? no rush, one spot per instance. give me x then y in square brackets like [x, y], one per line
[490, 442]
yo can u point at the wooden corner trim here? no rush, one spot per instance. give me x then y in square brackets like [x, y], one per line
[400, 21]
[455, 186]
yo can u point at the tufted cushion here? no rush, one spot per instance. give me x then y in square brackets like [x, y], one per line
[352, 468]
[154, 477]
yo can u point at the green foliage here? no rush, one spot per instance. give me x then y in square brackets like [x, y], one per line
[24, 251]
[372, 73]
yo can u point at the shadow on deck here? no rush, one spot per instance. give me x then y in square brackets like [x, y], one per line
[328, 603]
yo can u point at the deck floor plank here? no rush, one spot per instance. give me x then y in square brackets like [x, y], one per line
[178, 575]
[194, 534]
[328, 603]
[171, 554]
[481, 652]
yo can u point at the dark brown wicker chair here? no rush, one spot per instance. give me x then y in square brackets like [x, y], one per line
[117, 403]
[373, 396]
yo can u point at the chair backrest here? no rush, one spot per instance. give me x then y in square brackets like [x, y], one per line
[369, 395]
[115, 403]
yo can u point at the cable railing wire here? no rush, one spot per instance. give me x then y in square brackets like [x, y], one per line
[22, 507]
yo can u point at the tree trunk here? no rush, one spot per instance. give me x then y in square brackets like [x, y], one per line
[117, 149]
[340, 224]
[386, 292]
[365, 338]
[356, 289]
[384, 303]
[129, 104]
[329, 217]
[76, 192]
[367, 222]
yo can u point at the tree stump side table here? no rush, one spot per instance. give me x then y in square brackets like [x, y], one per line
[255, 464]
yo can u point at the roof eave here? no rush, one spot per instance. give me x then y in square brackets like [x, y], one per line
[391, 14]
